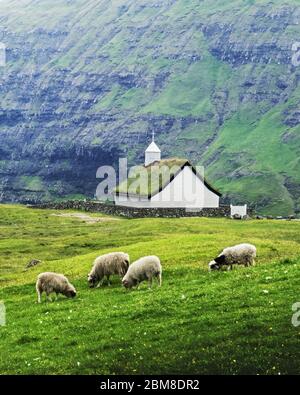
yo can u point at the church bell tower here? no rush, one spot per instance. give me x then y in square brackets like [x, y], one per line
[152, 153]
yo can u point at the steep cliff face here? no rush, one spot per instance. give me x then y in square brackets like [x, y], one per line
[87, 81]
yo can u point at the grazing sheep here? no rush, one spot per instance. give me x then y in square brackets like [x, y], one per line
[52, 282]
[107, 265]
[242, 254]
[145, 268]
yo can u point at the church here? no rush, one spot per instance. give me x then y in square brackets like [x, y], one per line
[166, 183]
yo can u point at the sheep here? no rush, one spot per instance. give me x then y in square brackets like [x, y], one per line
[107, 265]
[242, 254]
[145, 268]
[52, 282]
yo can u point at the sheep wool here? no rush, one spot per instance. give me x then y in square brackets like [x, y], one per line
[241, 254]
[145, 268]
[54, 283]
[108, 265]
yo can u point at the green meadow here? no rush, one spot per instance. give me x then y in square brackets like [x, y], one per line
[236, 322]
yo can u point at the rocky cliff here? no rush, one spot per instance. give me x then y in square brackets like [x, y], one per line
[87, 81]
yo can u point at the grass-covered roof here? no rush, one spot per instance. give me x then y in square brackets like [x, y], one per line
[147, 181]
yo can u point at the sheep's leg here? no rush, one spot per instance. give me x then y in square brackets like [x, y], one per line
[56, 296]
[159, 279]
[48, 297]
[108, 282]
[229, 268]
[39, 295]
[100, 283]
[150, 282]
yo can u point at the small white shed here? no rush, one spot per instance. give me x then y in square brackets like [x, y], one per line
[239, 210]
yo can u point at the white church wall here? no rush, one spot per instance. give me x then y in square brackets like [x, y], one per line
[185, 191]
[132, 201]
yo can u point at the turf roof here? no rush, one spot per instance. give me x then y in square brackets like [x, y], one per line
[147, 181]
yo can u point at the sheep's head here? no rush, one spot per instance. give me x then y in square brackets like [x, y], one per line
[217, 263]
[213, 265]
[129, 283]
[126, 283]
[70, 292]
[92, 280]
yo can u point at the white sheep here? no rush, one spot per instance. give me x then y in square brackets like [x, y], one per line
[241, 254]
[145, 268]
[54, 283]
[108, 265]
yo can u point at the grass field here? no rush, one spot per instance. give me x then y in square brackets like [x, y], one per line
[198, 322]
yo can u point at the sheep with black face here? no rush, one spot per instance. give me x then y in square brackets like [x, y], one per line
[108, 265]
[241, 254]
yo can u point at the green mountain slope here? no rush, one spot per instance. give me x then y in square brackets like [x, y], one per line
[88, 81]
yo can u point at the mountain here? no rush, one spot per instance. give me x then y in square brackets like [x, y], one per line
[87, 81]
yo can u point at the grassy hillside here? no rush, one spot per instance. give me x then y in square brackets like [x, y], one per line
[198, 322]
[88, 81]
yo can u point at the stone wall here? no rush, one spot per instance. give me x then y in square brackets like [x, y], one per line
[130, 212]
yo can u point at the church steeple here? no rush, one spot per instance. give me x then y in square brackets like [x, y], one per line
[152, 153]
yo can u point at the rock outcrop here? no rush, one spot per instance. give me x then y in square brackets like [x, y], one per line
[86, 83]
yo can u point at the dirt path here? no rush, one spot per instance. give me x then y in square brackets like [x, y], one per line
[86, 218]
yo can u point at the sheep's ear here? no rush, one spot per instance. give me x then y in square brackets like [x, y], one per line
[220, 259]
